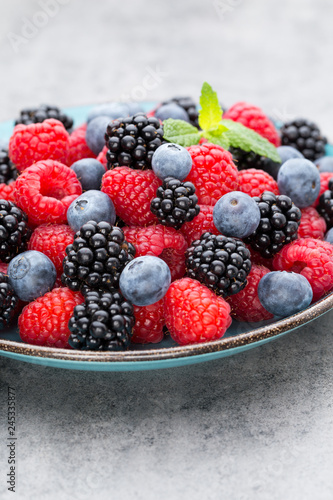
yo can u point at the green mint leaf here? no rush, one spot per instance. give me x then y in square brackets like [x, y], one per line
[210, 113]
[216, 136]
[180, 132]
[246, 139]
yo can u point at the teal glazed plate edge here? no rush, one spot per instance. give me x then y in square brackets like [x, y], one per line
[241, 337]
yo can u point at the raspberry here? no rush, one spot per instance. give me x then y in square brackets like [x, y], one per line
[39, 141]
[131, 192]
[312, 224]
[324, 180]
[102, 157]
[52, 240]
[202, 223]
[213, 173]
[311, 258]
[3, 268]
[254, 118]
[259, 260]
[245, 305]
[7, 191]
[45, 191]
[77, 146]
[149, 322]
[254, 182]
[193, 313]
[45, 321]
[163, 242]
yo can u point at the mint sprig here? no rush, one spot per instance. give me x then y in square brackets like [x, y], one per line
[225, 133]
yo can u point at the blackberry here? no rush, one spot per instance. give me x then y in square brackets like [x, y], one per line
[189, 106]
[131, 141]
[8, 172]
[103, 323]
[14, 231]
[219, 262]
[175, 203]
[96, 258]
[245, 160]
[44, 112]
[304, 136]
[325, 205]
[278, 225]
[8, 302]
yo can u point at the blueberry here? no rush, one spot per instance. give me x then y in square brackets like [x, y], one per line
[145, 280]
[92, 205]
[171, 110]
[112, 110]
[171, 160]
[134, 108]
[283, 294]
[299, 179]
[31, 274]
[95, 133]
[236, 214]
[288, 153]
[3, 144]
[89, 172]
[329, 236]
[325, 164]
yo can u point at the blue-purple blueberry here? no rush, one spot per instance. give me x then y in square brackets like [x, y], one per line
[283, 294]
[31, 274]
[89, 172]
[145, 280]
[299, 179]
[112, 110]
[325, 164]
[95, 133]
[171, 160]
[91, 205]
[288, 153]
[236, 214]
[171, 110]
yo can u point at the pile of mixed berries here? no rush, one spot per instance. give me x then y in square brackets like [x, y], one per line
[111, 234]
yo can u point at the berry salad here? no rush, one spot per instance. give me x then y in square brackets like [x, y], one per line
[134, 226]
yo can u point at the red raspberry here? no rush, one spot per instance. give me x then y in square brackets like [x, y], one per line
[7, 191]
[259, 260]
[312, 224]
[245, 305]
[311, 258]
[3, 268]
[39, 141]
[77, 146]
[254, 118]
[45, 320]
[149, 322]
[324, 179]
[131, 192]
[202, 223]
[161, 241]
[193, 313]
[213, 172]
[102, 157]
[254, 182]
[52, 240]
[45, 191]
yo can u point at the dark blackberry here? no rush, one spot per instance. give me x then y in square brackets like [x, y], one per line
[325, 205]
[96, 258]
[8, 172]
[103, 323]
[219, 262]
[14, 231]
[131, 141]
[175, 203]
[8, 302]
[190, 107]
[43, 112]
[244, 160]
[304, 136]
[278, 225]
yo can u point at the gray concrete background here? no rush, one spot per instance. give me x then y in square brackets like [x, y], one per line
[256, 426]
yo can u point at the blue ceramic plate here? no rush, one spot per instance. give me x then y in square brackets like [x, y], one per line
[239, 338]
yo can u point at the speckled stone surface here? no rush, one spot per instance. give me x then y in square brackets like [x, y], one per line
[256, 426]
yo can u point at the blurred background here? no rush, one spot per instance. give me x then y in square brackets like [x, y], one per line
[255, 426]
[275, 54]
